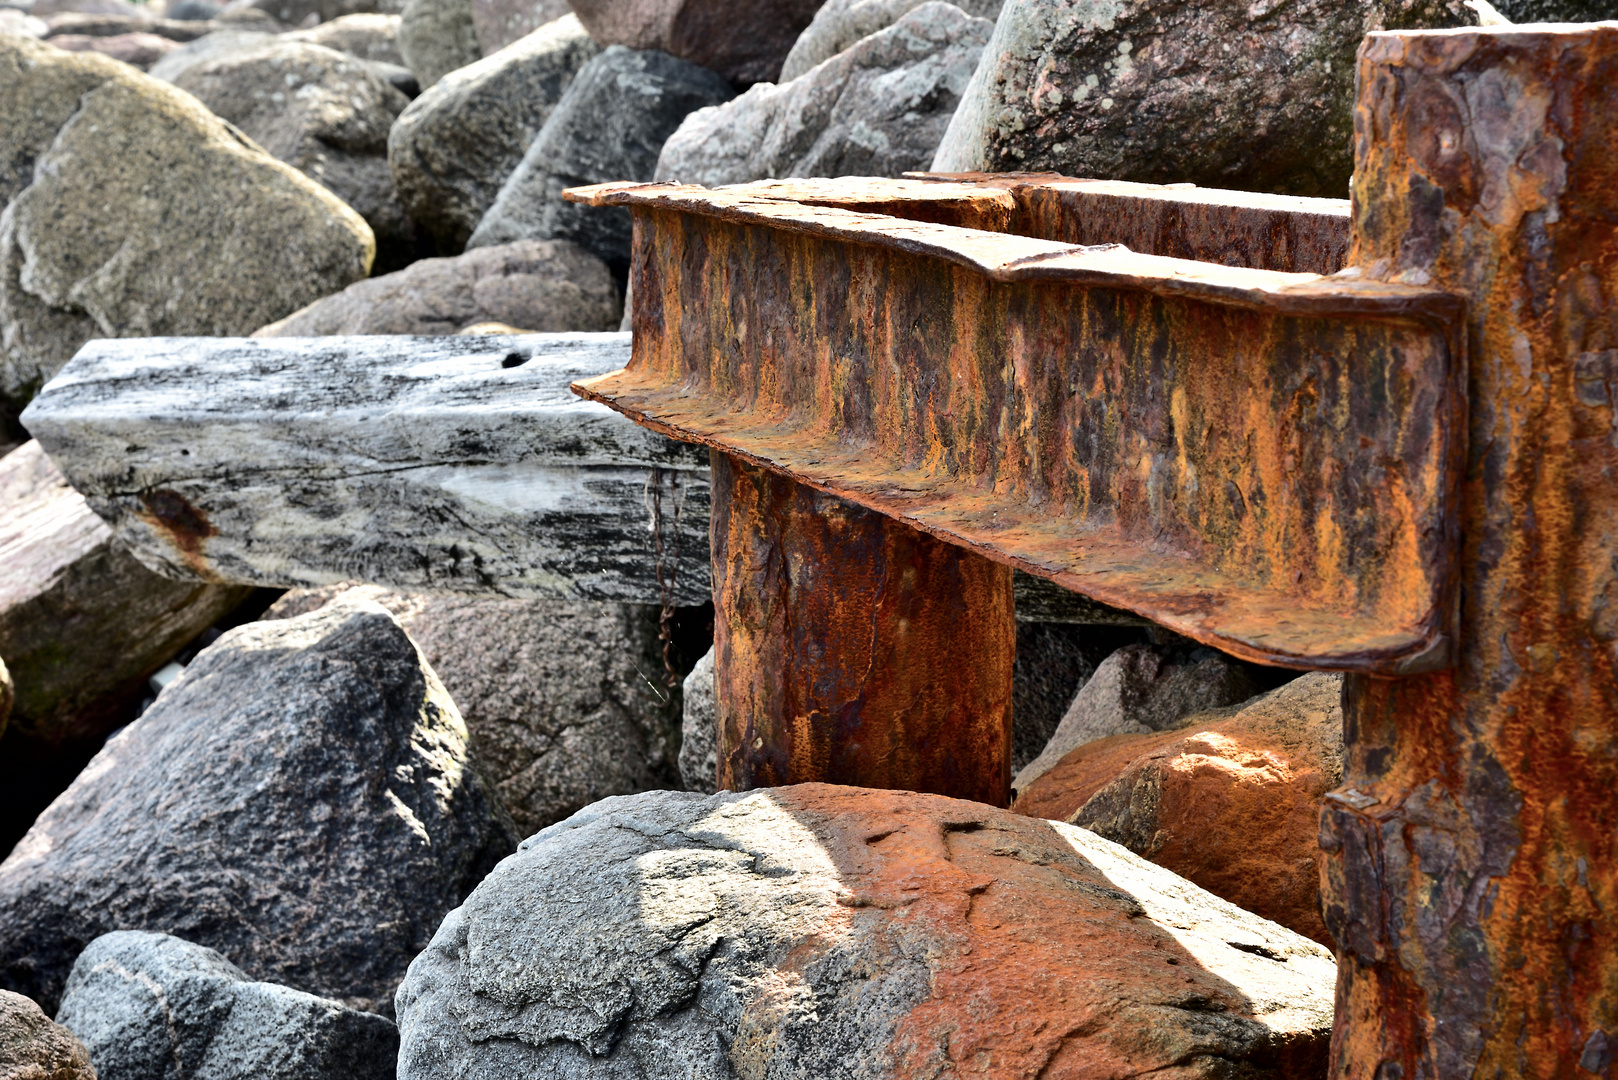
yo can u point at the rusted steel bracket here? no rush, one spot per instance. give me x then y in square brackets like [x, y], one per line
[1262, 461]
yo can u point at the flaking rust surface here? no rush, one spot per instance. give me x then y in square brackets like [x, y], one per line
[1472, 883]
[1262, 461]
[852, 649]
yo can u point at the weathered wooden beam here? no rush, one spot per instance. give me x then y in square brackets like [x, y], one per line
[456, 464]
[1472, 873]
[1264, 462]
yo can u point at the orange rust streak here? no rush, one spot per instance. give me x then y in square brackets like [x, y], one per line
[1034, 422]
[185, 526]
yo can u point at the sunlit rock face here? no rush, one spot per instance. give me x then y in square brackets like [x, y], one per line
[815, 931]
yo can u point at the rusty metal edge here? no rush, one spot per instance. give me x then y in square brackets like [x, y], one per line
[1169, 193]
[1430, 648]
[1111, 266]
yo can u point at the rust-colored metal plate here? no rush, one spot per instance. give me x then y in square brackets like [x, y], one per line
[1262, 461]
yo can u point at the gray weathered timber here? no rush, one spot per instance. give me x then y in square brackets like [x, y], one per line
[418, 463]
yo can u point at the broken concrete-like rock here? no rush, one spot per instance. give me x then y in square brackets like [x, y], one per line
[743, 40]
[153, 1006]
[325, 113]
[1231, 803]
[610, 125]
[556, 694]
[454, 147]
[301, 799]
[1222, 94]
[814, 931]
[543, 285]
[33, 1048]
[498, 23]
[877, 109]
[840, 24]
[370, 36]
[1140, 689]
[209, 47]
[437, 37]
[135, 212]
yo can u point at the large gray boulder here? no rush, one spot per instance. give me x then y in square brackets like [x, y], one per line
[610, 125]
[323, 112]
[301, 799]
[498, 23]
[839, 24]
[556, 694]
[537, 286]
[1223, 94]
[153, 1007]
[1141, 689]
[743, 40]
[437, 37]
[815, 931]
[878, 108]
[33, 1048]
[130, 210]
[456, 144]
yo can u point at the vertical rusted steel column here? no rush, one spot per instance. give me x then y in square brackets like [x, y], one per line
[1472, 883]
[853, 649]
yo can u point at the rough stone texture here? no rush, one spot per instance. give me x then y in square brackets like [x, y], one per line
[453, 148]
[498, 23]
[1229, 802]
[135, 212]
[816, 931]
[151, 1005]
[743, 40]
[370, 36]
[139, 49]
[1053, 661]
[1224, 94]
[437, 37]
[209, 47]
[323, 112]
[610, 125]
[839, 24]
[33, 1048]
[555, 693]
[545, 285]
[876, 109]
[301, 798]
[1142, 688]
[1527, 11]
[82, 624]
[298, 12]
[699, 730]
[46, 8]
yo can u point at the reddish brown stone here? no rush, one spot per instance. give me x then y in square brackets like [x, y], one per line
[1233, 805]
[34, 1048]
[140, 49]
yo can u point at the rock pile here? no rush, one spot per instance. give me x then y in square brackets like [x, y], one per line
[301, 799]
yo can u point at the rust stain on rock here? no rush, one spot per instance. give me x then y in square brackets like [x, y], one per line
[185, 526]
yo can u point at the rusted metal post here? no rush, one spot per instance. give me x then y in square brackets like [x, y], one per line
[853, 649]
[1472, 883]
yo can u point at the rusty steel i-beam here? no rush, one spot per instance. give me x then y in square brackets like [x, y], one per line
[1181, 403]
